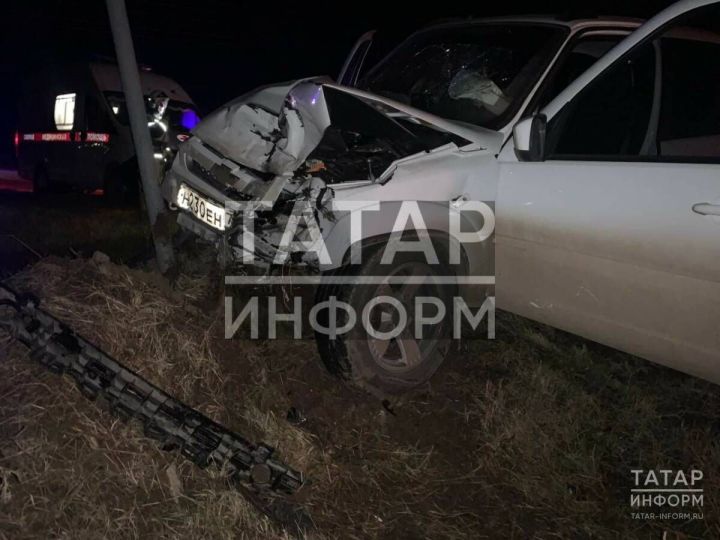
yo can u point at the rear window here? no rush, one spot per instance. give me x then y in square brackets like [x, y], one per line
[64, 112]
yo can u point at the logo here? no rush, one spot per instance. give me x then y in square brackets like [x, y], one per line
[667, 494]
[429, 278]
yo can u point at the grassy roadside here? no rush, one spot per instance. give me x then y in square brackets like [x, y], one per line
[532, 435]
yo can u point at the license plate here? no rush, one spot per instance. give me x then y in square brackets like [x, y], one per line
[202, 208]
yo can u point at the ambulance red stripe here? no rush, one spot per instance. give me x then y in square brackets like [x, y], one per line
[64, 137]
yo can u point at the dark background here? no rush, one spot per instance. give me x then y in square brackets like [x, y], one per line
[218, 49]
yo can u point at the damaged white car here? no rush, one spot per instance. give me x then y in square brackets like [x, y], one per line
[597, 143]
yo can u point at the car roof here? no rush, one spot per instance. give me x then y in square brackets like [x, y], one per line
[572, 24]
[601, 22]
[107, 78]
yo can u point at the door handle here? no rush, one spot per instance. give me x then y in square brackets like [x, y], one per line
[707, 209]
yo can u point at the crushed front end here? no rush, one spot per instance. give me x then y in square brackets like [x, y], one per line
[279, 154]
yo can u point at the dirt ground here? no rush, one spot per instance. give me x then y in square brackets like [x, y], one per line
[532, 435]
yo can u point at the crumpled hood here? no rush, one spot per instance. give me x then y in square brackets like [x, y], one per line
[275, 128]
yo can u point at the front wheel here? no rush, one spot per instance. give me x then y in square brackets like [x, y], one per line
[384, 352]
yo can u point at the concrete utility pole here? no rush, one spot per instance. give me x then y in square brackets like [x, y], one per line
[135, 102]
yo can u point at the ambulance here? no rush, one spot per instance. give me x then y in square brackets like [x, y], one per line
[73, 128]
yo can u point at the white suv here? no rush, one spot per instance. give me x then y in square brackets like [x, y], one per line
[596, 141]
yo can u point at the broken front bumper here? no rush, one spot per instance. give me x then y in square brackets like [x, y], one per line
[242, 193]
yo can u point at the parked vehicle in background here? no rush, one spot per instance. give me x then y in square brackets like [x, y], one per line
[73, 127]
[597, 141]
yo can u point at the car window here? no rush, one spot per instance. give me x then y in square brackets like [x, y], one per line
[661, 102]
[64, 113]
[476, 73]
[177, 113]
[580, 56]
[690, 117]
[610, 117]
[96, 115]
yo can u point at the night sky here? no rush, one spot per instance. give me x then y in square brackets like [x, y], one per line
[218, 49]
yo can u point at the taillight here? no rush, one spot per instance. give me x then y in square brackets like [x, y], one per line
[16, 140]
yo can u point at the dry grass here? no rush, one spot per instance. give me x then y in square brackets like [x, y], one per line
[530, 436]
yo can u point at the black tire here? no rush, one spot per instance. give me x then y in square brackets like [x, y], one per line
[386, 367]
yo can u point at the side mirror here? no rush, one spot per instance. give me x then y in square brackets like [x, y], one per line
[529, 138]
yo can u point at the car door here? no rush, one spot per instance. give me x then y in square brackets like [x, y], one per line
[616, 235]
